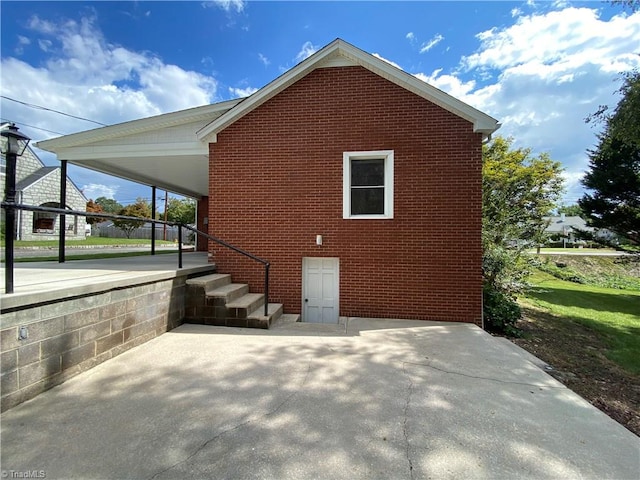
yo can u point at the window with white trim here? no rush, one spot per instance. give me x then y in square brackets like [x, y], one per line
[368, 184]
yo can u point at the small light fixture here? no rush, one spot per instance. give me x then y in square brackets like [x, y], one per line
[12, 141]
[318, 239]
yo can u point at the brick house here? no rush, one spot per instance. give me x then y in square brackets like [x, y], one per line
[39, 185]
[359, 183]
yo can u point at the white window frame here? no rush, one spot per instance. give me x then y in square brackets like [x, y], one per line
[347, 157]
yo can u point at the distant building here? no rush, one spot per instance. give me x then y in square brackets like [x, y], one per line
[564, 229]
[39, 185]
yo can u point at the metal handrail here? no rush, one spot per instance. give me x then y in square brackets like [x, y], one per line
[266, 264]
[62, 211]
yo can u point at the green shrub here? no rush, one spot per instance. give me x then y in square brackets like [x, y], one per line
[501, 312]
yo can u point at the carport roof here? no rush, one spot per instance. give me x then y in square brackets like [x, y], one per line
[162, 150]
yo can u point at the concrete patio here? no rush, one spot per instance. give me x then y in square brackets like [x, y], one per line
[369, 399]
[36, 282]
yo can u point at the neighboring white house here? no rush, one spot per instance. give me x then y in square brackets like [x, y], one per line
[565, 229]
[39, 185]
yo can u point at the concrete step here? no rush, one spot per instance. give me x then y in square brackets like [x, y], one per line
[226, 293]
[257, 318]
[285, 319]
[210, 282]
[241, 307]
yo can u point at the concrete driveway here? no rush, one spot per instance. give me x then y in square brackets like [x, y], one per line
[374, 399]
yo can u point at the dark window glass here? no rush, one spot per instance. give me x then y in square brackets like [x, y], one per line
[367, 201]
[367, 187]
[367, 173]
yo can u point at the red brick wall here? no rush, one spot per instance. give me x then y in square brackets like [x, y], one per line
[276, 182]
[202, 212]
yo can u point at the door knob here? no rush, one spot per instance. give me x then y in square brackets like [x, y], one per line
[306, 300]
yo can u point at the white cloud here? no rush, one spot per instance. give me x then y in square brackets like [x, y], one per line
[541, 76]
[573, 187]
[22, 42]
[386, 60]
[242, 92]
[265, 61]
[45, 45]
[96, 190]
[411, 37]
[568, 37]
[85, 75]
[226, 5]
[306, 51]
[431, 43]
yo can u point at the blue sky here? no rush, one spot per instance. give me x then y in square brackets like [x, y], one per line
[538, 67]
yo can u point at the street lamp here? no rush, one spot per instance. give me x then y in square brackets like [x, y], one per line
[13, 146]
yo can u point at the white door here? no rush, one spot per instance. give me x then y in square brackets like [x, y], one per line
[320, 290]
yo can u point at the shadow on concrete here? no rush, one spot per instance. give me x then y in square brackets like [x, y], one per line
[411, 402]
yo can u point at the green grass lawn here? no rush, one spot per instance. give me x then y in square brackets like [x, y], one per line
[613, 313]
[88, 241]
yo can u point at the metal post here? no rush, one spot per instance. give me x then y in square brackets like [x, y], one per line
[180, 245]
[164, 226]
[153, 224]
[266, 289]
[63, 218]
[10, 219]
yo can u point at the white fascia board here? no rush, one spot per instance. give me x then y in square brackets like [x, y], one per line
[138, 126]
[158, 150]
[481, 121]
[326, 57]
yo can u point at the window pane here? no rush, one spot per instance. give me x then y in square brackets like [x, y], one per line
[367, 173]
[367, 201]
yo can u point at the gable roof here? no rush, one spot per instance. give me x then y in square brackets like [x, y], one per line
[562, 224]
[341, 53]
[34, 177]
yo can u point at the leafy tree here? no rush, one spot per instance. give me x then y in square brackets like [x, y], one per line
[518, 190]
[181, 210]
[95, 208]
[108, 205]
[613, 179]
[140, 209]
[571, 210]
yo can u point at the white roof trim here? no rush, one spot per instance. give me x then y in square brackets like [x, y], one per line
[156, 150]
[330, 56]
[137, 126]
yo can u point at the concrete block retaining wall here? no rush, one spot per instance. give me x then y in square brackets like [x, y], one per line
[67, 337]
